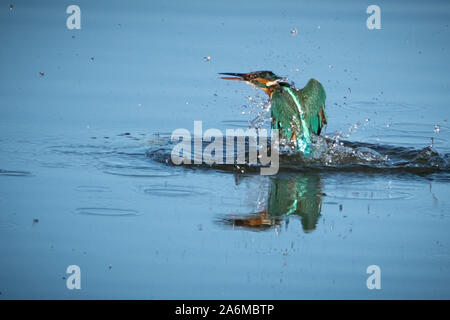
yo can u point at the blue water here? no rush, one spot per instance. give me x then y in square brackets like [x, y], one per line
[77, 184]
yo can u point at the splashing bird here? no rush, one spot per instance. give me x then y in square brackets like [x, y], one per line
[296, 113]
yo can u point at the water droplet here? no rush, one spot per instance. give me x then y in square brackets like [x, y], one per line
[437, 128]
[294, 31]
[41, 74]
[207, 58]
[11, 7]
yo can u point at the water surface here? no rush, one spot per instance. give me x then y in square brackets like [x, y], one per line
[80, 182]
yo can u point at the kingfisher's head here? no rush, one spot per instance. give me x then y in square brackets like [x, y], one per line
[266, 80]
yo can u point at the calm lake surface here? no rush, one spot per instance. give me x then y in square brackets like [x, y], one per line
[81, 109]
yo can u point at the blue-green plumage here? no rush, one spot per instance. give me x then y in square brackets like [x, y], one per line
[299, 113]
[296, 113]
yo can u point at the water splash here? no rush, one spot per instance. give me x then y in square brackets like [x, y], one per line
[331, 155]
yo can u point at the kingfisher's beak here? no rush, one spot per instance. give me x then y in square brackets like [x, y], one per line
[234, 76]
[249, 78]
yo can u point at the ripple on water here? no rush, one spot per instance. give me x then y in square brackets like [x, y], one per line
[8, 225]
[139, 172]
[409, 134]
[405, 139]
[416, 127]
[236, 123]
[393, 107]
[80, 149]
[15, 173]
[93, 189]
[107, 212]
[368, 194]
[172, 190]
[135, 167]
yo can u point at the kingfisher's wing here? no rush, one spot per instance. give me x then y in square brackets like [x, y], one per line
[285, 115]
[312, 98]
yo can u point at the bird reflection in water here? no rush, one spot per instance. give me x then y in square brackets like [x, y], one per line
[288, 196]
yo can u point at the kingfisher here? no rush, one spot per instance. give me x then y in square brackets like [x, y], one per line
[296, 113]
